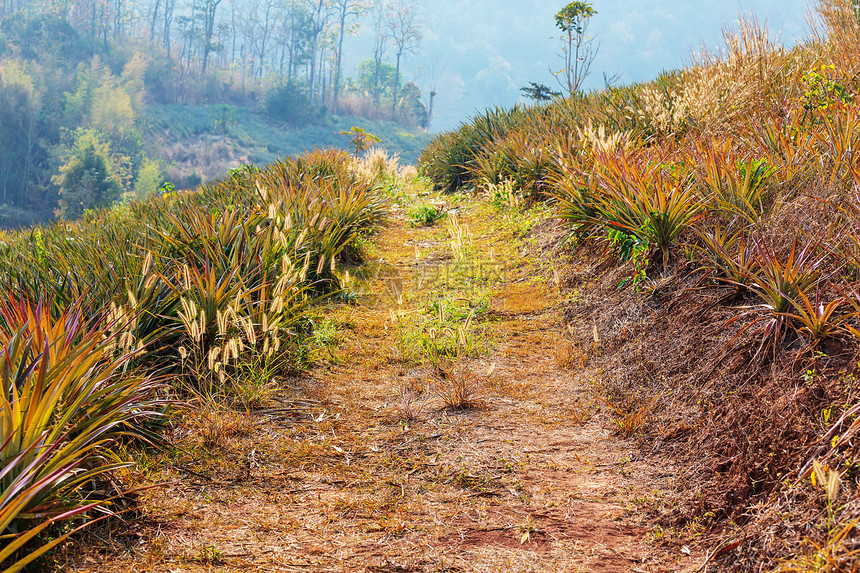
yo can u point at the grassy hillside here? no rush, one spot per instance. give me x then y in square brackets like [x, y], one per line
[84, 121]
[195, 147]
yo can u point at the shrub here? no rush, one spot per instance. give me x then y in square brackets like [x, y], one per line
[450, 158]
[646, 200]
[289, 103]
[516, 157]
[425, 215]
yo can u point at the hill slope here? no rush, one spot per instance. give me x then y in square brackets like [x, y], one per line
[195, 148]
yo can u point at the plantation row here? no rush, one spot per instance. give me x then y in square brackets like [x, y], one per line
[105, 321]
[739, 177]
[712, 202]
[757, 189]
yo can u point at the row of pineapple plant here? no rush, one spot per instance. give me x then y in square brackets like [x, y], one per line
[698, 161]
[104, 321]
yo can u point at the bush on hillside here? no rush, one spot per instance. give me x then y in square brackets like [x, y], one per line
[289, 103]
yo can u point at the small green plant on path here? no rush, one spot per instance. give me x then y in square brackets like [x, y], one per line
[425, 215]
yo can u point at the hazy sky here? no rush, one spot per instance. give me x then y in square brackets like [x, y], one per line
[480, 52]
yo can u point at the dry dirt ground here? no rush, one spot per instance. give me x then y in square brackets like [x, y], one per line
[358, 465]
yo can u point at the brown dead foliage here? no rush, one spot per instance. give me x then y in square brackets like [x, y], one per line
[742, 428]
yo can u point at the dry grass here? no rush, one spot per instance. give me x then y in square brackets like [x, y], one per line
[631, 412]
[216, 424]
[412, 401]
[458, 388]
[568, 355]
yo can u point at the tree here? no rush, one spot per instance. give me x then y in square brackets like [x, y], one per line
[292, 36]
[578, 50]
[405, 29]
[289, 103]
[434, 74]
[410, 105]
[374, 80]
[20, 149]
[167, 21]
[123, 15]
[319, 12]
[223, 116]
[208, 8]
[345, 10]
[538, 92]
[263, 23]
[150, 178]
[360, 140]
[155, 6]
[380, 38]
[86, 181]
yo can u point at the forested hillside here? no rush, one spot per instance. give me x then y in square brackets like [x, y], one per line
[103, 101]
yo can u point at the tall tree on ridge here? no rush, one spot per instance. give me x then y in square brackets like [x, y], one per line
[577, 48]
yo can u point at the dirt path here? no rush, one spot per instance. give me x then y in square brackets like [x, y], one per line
[359, 466]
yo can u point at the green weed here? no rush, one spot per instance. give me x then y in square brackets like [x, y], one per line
[425, 215]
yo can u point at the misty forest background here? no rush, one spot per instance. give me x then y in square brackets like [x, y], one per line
[102, 100]
[106, 100]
